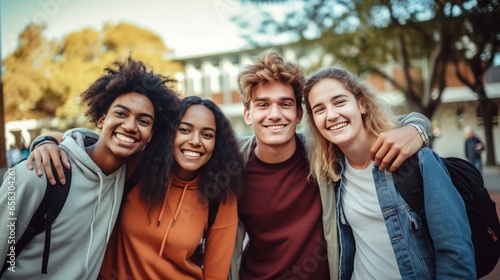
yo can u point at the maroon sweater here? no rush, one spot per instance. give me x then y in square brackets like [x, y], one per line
[281, 212]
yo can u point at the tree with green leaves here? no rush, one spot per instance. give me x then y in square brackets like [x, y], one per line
[422, 38]
[476, 42]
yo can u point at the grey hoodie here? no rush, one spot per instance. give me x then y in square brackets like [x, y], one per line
[80, 232]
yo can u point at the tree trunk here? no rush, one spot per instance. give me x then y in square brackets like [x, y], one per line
[486, 110]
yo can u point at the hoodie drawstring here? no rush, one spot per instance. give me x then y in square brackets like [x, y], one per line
[96, 210]
[172, 220]
[113, 207]
[94, 213]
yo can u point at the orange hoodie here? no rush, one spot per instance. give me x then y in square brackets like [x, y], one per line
[160, 248]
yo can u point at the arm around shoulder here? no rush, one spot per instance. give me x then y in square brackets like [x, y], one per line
[421, 123]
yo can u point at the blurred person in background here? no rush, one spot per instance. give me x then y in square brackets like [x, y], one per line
[473, 148]
[13, 155]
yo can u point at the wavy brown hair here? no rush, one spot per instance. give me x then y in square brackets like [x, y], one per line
[269, 67]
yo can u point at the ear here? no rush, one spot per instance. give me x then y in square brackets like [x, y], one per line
[100, 122]
[362, 107]
[247, 117]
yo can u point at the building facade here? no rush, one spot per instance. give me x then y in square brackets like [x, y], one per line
[214, 76]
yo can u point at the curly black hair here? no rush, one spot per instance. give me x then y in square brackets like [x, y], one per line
[222, 177]
[133, 76]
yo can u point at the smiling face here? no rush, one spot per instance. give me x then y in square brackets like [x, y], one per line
[274, 115]
[336, 112]
[194, 141]
[127, 126]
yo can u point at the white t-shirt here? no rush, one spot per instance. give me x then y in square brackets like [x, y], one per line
[374, 258]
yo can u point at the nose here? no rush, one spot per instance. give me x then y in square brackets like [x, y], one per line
[195, 139]
[130, 125]
[275, 112]
[332, 114]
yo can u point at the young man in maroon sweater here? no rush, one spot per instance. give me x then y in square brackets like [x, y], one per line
[288, 220]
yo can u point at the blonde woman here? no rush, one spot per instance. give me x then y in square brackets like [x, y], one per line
[380, 236]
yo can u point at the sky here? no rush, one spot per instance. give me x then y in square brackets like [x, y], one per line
[189, 27]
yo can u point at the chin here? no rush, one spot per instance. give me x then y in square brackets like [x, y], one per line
[123, 153]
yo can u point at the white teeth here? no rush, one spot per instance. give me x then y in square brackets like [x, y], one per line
[338, 126]
[125, 138]
[191, 154]
[275, 127]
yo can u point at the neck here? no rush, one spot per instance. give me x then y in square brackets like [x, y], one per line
[107, 164]
[184, 174]
[275, 153]
[358, 152]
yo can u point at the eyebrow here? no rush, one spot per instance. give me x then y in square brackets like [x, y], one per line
[128, 110]
[331, 99]
[268, 99]
[191, 125]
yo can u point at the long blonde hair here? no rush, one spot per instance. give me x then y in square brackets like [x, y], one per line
[378, 118]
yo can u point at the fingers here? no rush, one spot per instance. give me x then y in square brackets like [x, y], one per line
[64, 158]
[30, 160]
[374, 149]
[385, 155]
[393, 147]
[383, 151]
[43, 155]
[58, 161]
[37, 158]
[46, 166]
[396, 163]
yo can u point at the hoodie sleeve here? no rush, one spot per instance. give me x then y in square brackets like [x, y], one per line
[20, 194]
[84, 137]
[421, 123]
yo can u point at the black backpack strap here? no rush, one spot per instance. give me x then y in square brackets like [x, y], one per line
[198, 255]
[213, 208]
[52, 202]
[409, 183]
[56, 203]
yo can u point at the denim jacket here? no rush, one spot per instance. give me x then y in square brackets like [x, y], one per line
[444, 251]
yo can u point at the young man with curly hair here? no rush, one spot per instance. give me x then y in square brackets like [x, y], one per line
[133, 108]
